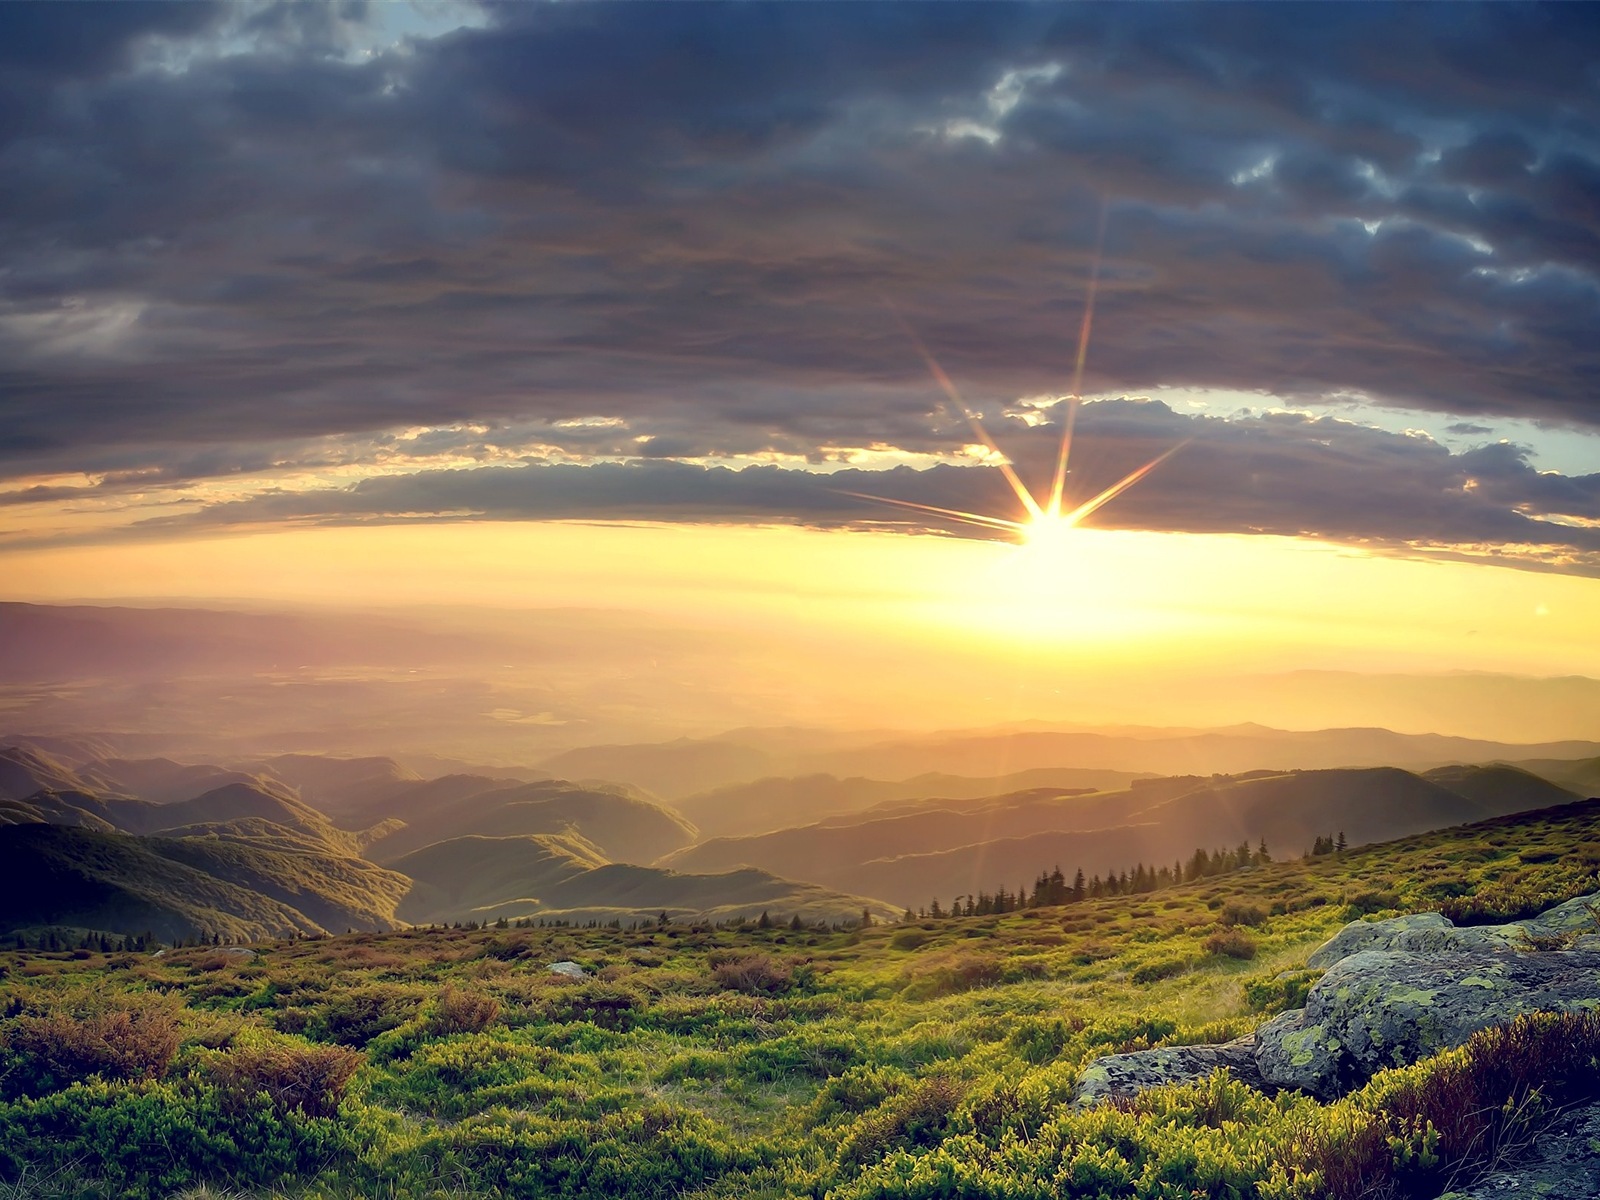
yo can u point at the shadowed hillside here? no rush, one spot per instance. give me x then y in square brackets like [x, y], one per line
[625, 827]
[984, 845]
[183, 888]
[774, 803]
[565, 878]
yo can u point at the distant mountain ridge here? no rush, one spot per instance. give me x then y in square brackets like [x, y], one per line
[251, 859]
[911, 855]
[679, 769]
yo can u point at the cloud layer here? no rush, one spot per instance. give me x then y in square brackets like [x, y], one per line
[239, 241]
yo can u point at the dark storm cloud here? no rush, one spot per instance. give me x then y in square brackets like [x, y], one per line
[272, 235]
[1275, 473]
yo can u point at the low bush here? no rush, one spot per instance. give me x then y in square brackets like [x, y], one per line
[295, 1078]
[460, 1010]
[1231, 943]
[46, 1053]
[753, 974]
[914, 1117]
[1273, 994]
[1152, 972]
[1242, 914]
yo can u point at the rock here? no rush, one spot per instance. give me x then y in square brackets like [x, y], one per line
[1379, 1009]
[1564, 1165]
[1428, 933]
[570, 969]
[1395, 991]
[1122, 1076]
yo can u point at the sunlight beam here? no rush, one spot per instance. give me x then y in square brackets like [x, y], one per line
[1116, 489]
[955, 514]
[1026, 497]
[1059, 483]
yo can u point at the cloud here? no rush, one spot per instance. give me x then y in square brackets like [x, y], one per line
[1274, 473]
[275, 236]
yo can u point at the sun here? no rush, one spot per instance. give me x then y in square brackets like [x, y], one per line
[1049, 534]
[1048, 525]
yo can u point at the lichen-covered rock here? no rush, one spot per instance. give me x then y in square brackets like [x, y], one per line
[570, 969]
[1564, 1164]
[1121, 1076]
[1395, 991]
[1379, 1009]
[1430, 933]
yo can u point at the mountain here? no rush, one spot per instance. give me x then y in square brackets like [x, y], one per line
[159, 780]
[779, 801]
[465, 876]
[906, 857]
[236, 811]
[624, 826]
[686, 767]
[564, 877]
[1240, 748]
[24, 772]
[1579, 775]
[667, 769]
[337, 785]
[182, 888]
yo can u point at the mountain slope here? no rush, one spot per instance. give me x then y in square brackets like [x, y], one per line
[977, 845]
[462, 876]
[57, 875]
[24, 772]
[565, 877]
[160, 780]
[779, 801]
[623, 826]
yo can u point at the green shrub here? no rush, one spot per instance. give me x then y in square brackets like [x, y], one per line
[1231, 943]
[915, 1117]
[1152, 972]
[1272, 994]
[753, 974]
[307, 1079]
[1242, 914]
[46, 1053]
[459, 1010]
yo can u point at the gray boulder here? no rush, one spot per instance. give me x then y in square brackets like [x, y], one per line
[1123, 1076]
[1379, 1009]
[1430, 933]
[568, 968]
[1395, 991]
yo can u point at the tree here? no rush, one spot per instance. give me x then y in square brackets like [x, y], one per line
[764, 922]
[866, 918]
[794, 923]
[1340, 846]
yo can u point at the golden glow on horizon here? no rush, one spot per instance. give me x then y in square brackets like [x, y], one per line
[1072, 595]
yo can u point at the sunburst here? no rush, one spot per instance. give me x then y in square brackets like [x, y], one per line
[1047, 524]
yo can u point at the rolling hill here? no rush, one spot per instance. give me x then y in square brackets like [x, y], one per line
[776, 802]
[624, 826]
[183, 888]
[564, 877]
[940, 849]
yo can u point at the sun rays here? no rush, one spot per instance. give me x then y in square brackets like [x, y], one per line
[1049, 523]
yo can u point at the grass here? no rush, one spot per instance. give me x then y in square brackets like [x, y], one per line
[929, 1059]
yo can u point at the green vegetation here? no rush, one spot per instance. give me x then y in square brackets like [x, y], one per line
[929, 1059]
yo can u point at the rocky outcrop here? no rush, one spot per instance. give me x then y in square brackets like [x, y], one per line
[1395, 991]
[1121, 1075]
[1573, 923]
[1387, 1008]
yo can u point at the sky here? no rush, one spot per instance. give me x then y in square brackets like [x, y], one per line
[701, 308]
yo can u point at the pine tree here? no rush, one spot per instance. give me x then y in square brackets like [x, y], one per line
[765, 922]
[795, 923]
[1340, 846]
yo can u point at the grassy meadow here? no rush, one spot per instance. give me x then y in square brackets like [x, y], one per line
[933, 1058]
